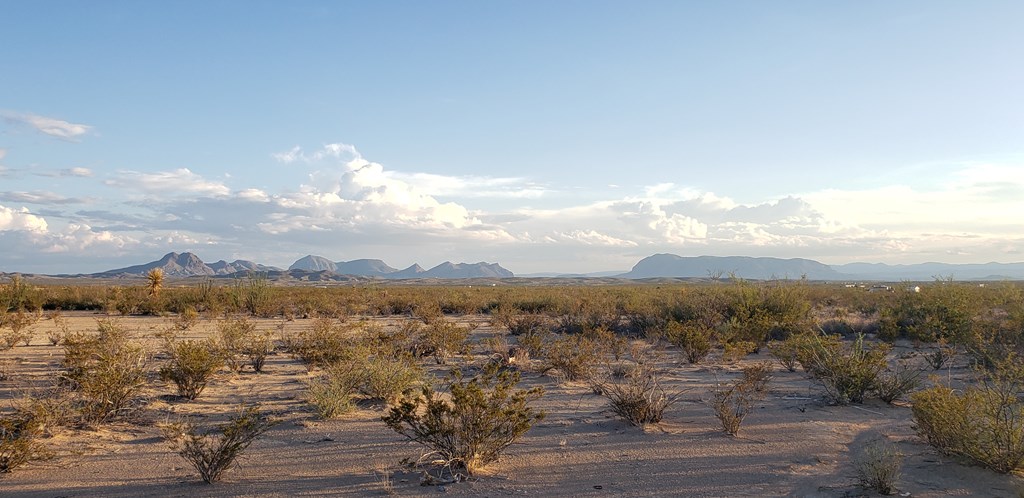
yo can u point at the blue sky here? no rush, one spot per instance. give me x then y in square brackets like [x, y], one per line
[547, 136]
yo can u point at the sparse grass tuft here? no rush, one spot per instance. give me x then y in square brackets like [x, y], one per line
[878, 466]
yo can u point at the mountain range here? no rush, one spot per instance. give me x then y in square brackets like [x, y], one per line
[671, 265]
[318, 268]
[188, 265]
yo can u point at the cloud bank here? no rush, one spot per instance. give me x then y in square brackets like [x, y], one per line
[350, 207]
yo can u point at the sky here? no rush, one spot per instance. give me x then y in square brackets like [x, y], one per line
[547, 136]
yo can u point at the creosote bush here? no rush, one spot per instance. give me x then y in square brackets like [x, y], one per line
[695, 340]
[18, 444]
[213, 452]
[485, 414]
[984, 423]
[331, 393]
[848, 374]
[878, 466]
[233, 335]
[574, 356]
[733, 402]
[106, 371]
[192, 365]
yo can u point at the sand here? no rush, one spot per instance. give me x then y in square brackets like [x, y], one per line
[792, 444]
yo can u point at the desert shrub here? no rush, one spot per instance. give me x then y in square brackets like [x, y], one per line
[253, 294]
[878, 466]
[43, 411]
[733, 402]
[639, 397]
[574, 356]
[983, 423]
[232, 336]
[534, 342]
[387, 379]
[941, 355]
[18, 444]
[213, 452]
[187, 319]
[107, 371]
[694, 339]
[523, 324]
[848, 374]
[192, 365]
[331, 393]
[786, 352]
[484, 415]
[611, 342]
[733, 351]
[894, 384]
[19, 328]
[758, 375]
[442, 339]
[60, 328]
[256, 349]
[943, 309]
[323, 344]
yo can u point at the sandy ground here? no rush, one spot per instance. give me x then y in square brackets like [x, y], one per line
[793, 444]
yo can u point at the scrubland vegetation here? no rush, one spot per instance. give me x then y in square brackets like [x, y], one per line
[415, 355]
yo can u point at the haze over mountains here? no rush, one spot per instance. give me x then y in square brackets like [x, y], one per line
[318, 268]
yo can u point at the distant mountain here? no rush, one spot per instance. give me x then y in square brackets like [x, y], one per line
[239, 265]
[467, 270]
[173, 264]
[364, 267]
[671, 265]
[414, 271]
[929, 271]
[186, 264]
[380, 269]
[314, 263]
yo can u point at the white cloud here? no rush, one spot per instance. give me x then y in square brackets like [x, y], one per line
[54, 127]
[181, 181]
[472, 186]
[20, 219]
[39, 197]
[79, 172]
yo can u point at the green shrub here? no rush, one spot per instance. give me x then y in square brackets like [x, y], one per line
[694, 339]
[787, 352]
[484, 416]
[758, 375]
[213, 452]
[574, 356]
[323, 344]
[331, 393]
[848, 374]
[387, 379]
[107, 371]
[233, 334]
[984, 424]
[733, 351]
[192, 365]
[878, 467]
[442, 339]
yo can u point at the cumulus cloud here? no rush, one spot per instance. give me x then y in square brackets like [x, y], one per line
[53, 127]
[20, 219]
[181, 181]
